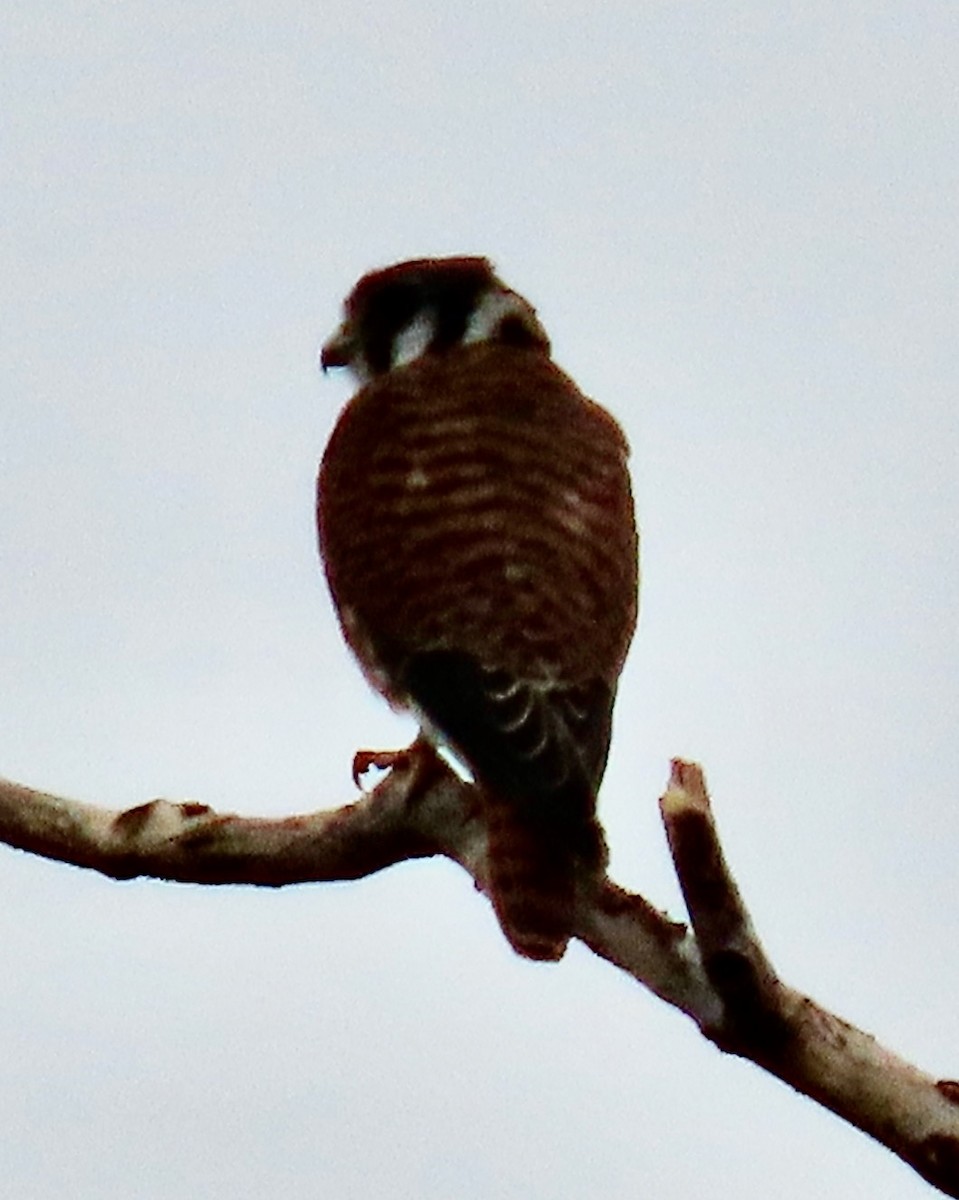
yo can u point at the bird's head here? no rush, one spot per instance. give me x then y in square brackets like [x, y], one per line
[427, 306]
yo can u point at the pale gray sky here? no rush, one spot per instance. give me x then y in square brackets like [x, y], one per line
[740, 225]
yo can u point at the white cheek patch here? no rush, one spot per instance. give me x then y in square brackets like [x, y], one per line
[490, 311]
[414, 339]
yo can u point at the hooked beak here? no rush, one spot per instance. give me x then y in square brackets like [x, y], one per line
[339, 350]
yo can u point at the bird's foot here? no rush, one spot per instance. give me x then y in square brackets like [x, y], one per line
[382, 760]
[419, 760]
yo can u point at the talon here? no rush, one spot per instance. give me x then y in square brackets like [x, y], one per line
[419, 759]
[382, 760]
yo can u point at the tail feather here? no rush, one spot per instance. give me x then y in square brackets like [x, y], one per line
[534, 857]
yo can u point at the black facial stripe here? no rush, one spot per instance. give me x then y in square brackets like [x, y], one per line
[385, 303]
[452, 316]
[514, 331]
[385, 316]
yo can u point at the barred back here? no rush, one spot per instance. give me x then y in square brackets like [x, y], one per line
[478, 501]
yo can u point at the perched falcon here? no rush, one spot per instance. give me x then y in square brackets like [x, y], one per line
[476, 523]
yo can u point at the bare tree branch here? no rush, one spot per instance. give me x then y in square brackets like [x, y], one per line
[715, 970]
[913, 1114]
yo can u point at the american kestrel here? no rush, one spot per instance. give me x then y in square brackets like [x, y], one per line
[476, 524]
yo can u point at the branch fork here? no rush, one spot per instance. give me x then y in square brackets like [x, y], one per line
[714, 969]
